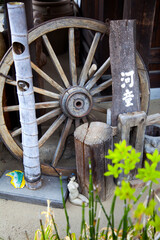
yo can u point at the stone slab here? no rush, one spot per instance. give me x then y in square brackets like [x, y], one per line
[50, 190]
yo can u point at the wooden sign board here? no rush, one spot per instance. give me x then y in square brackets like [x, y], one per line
[125, 82]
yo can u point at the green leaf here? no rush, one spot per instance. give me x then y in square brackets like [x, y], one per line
[139, 210]
[125, 192]
[156, 223]
[113, 170]
[150, 209]
[73, 236]
[120, 152]
[148, 173]
[155, 157]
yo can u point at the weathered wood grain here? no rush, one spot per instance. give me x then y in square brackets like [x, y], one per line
[143, 11]
[153, 119]
[98, 74]
[125, 82]
[85, 71]
[51, 129]
[72, 57]
[47, 78]
[102, 99]
[55, 60]
[61, 142]
[50, 171]
[92, 142]
[131, 127]
[101, 87]
[37, 106]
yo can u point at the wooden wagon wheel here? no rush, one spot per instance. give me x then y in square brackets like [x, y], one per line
[78, 96]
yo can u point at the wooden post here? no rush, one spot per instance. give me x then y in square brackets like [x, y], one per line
[125, 82]
[131, 127]
[92, 142]
[25, 93]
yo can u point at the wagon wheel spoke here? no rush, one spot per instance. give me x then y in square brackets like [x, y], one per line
[40, 120]
[92, 70]
[37, 90]
[77, 123]
[55, 61]
[98, 74]
[99, 109]
[101, 87]
[84, 119]
[62, 141]
[51, 104]
[72, 57]
[85, 71]
[102, 99]
[51, 129]
[47, 78]
[92, 117]
[11, 82]
[37, 106]
[49, 115]
[46, 93]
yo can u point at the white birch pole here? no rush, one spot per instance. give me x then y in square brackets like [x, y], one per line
[21, 57]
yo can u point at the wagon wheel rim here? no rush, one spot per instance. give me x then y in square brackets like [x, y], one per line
[77, 98]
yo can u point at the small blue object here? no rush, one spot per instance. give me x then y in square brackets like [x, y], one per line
[17, 178]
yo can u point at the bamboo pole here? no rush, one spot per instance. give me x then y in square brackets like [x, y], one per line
[24, 78]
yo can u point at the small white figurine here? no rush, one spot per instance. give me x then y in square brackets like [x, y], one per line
[74, 196]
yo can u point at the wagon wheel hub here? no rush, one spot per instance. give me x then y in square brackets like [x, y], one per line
[76, 102]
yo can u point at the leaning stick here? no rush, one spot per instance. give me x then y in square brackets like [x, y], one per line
[21, 57]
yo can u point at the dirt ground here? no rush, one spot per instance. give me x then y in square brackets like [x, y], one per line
[16, 218]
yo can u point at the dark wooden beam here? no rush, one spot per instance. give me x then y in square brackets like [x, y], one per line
[144, 12]
[154, 78]
[154, 55]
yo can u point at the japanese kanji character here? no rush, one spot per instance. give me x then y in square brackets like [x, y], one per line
[128, 96]
[127, 78]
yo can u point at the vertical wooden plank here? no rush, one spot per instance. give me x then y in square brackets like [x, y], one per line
[101, 10]
[143, 11]
[156, 28]
[125, 82]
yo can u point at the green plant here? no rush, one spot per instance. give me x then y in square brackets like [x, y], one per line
[144, 224]
[140, 220]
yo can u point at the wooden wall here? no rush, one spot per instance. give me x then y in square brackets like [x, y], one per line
[147, 14]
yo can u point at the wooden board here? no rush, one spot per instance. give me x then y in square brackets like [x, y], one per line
[147, 15]
[125, 82]
[143, 11]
